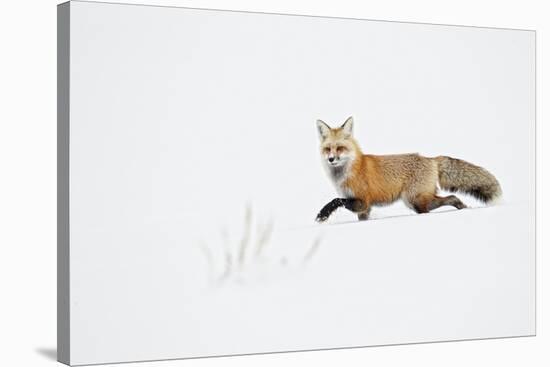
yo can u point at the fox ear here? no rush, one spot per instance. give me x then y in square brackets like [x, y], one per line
[347, 127]
[323, 129]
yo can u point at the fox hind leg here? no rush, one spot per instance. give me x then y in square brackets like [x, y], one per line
[428, 202]
[449, 200]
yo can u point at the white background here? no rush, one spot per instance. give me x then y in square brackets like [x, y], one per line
[183, 141]
[28, 185]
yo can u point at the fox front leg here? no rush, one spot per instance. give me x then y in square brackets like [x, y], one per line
[359, 207]
[328, 209]
[364, 214]
[352, 204]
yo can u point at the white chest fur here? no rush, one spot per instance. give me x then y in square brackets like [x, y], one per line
[338, 176]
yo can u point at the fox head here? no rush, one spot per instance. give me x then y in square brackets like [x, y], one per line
[338, 147]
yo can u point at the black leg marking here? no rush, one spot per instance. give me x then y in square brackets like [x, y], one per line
[352, 204]
[328, 209]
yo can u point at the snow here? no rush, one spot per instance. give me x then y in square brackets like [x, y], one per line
[409, 278]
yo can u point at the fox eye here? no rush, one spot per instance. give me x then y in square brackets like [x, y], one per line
[341, 149]
[326, 150]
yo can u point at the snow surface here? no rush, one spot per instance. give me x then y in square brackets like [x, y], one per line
[440, 276]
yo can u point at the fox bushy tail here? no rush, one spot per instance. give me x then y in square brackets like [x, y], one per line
[458, 175]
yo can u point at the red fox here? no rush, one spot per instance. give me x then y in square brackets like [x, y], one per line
[365, 180]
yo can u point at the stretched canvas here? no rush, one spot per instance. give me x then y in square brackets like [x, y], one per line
[236, 183]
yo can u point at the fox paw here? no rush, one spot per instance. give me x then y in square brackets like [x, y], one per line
[321, 217]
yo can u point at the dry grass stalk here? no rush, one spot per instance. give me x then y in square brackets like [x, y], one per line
[313, 249]
[246, 235]
[264, 237]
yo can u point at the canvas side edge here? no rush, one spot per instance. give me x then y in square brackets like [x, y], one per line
[63, 249]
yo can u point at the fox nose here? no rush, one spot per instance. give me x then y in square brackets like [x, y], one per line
[331, 159]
